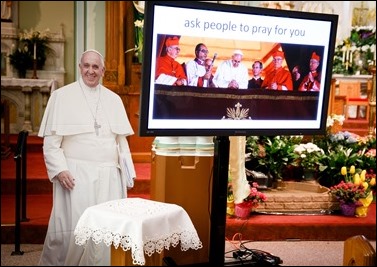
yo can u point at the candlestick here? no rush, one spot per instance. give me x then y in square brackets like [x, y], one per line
[35, 51]
[351, 57]
[34, 69]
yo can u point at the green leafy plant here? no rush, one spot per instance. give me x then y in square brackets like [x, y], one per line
[344, 149]
[272, 154]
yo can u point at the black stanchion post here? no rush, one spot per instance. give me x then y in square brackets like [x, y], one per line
[18, 158]
[23, 177]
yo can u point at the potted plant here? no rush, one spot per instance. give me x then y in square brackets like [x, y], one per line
[271, 154]
[354, 191]
[308, 157]
[344, 149]
[255, 197]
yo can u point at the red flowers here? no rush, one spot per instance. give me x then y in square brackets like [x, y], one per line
[348, 192]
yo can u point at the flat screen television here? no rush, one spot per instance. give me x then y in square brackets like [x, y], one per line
[168, 109]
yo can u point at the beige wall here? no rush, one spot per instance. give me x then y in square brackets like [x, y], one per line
[53, 15]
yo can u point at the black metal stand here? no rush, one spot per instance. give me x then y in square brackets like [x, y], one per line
[218, 204]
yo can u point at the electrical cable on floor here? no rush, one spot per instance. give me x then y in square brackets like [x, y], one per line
[242, 255]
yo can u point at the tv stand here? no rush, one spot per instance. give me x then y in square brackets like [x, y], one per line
[218, 203]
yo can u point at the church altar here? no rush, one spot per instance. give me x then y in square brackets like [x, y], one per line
[27, 100]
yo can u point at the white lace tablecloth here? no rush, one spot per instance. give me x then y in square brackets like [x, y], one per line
[142, 225]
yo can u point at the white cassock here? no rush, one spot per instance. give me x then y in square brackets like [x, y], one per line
[240, 184]
[71, 143]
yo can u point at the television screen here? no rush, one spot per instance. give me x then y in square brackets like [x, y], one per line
[199, 59]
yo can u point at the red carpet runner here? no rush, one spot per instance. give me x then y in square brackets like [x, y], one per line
[256, 228]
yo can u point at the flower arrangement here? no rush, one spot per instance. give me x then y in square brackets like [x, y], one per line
[348, 192]
[37, 41]
[334, 123]
[139, 40]
[309, 155]
[32, 45]
[275, 155]
[355, 53]
[254, 198]
[355, 186]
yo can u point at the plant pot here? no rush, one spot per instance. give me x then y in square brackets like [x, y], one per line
[348, 209]
[230, 207]
[309, 175]
[242, 211]
[362, 210]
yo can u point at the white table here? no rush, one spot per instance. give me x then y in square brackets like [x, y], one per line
[140, 225]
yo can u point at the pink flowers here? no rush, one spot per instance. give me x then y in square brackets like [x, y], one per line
[255, 197]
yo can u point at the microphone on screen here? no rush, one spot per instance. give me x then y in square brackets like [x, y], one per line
[214, 57]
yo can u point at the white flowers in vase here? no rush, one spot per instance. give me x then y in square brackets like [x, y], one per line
[139, 40]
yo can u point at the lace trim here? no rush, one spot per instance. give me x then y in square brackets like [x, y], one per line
[188, 239]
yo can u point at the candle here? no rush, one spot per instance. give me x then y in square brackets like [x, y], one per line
[351, 57]
[343, 57]
[35, 50]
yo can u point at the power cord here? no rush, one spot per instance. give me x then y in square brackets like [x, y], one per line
[258, 257]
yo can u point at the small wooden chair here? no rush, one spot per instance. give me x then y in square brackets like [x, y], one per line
[356, 106]
[358, 252]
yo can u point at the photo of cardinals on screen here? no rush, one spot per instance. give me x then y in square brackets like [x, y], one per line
[231, 70]
[183, 80]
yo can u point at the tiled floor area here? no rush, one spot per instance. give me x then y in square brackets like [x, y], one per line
[293, 253]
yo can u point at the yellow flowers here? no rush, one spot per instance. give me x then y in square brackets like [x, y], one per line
[357, 185]
[343, 171]
[352, 169]
[358, 178]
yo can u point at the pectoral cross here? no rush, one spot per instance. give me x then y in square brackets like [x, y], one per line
[96, 127]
